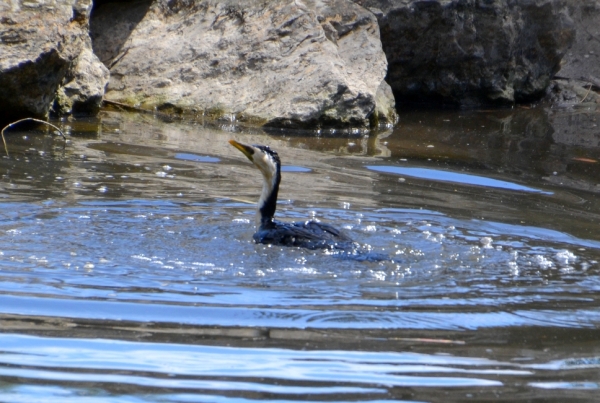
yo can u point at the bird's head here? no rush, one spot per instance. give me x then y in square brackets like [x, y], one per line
[265, 159]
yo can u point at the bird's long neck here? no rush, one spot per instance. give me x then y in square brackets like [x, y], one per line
[268, 198]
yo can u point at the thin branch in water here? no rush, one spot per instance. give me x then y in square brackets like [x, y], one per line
[586, 94]
[31, 120]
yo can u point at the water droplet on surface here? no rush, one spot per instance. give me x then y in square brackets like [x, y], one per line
[565, 257]
[486, 242]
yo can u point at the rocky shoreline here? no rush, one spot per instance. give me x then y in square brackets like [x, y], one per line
[293, 63]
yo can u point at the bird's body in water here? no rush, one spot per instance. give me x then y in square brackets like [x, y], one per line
[308, 234]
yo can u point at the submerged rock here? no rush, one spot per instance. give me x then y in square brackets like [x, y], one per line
[471, 53]
[47, 60]
[277, 63]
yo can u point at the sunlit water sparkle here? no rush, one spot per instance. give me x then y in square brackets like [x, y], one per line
[128, 273]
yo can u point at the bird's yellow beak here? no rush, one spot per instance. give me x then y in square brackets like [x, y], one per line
[248, 151]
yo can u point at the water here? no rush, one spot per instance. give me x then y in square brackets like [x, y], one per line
[128, 271]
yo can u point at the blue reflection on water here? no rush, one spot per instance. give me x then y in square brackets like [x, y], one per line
[195, 157]
[447, 176]
[240, 368]
[293, 317]
[294, 168]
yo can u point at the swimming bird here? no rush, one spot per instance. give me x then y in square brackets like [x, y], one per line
[308, 234]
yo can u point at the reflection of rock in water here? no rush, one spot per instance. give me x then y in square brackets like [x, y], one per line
[578, 127]
[36, 164]
[581, 184]
[563, 146]
[376, 146]
[526, 138]
[509, 139]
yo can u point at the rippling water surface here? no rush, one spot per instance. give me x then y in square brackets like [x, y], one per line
[128, 271]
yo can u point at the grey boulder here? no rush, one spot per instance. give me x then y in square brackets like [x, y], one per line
[471, 52]
[46, 52]
[298, 63]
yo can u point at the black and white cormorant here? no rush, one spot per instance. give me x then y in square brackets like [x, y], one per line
[309, 234]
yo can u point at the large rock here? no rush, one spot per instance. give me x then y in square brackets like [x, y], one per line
[471, 52]
[292, 63]
[582, 61]
[45, 47]
[83, 86]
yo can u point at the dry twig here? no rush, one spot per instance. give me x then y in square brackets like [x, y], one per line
[586, 94]
[24, 120]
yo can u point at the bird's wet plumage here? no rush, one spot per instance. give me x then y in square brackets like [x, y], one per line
[308, 234]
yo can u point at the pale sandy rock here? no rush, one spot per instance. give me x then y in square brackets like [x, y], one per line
[281, 63]
[40, 44]
[83, 87]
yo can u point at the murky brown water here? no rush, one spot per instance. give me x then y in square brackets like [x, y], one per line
[128, 272]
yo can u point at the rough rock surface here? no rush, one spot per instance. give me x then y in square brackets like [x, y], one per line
[40, 47]
[83, 87]
[298, 63]
[582, 61]
[578, 81]
[472, 52]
